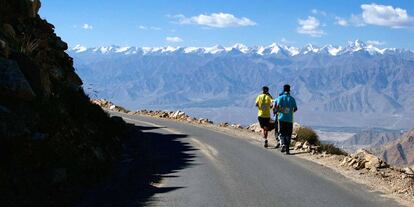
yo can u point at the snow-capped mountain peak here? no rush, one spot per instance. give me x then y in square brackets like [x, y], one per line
[79, 48]
[274, 49]
[357, 45]
[309, 48]
[215, 49]
[240, 47]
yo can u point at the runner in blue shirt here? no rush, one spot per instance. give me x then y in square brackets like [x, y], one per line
[286, 106]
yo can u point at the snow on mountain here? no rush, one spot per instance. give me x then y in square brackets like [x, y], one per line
[273, 49]
[334, 83]
[310, 48]
[79, 48]
[239, 47]
[215, 49]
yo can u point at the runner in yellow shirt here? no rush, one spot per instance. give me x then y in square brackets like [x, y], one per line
[264, 104]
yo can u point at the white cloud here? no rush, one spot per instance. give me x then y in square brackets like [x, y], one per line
[384, 15]
[310, 26]
[285, 41]
[341, 21]
[217, 20]
[173, 39]
[87, 26]
[155, 28]
[354, 20]
[319, 12]
[357, 20]
[376, 42]
[142, 27]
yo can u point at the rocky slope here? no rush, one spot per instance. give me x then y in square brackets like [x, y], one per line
[53, 141]
[399, 152]
[370, 138]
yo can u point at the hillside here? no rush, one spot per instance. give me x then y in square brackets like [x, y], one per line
[53, 141]
[400, 152]
[369, 138]
[333, 83]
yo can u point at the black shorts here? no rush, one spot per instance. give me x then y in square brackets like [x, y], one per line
[264, 122]
[285, 128]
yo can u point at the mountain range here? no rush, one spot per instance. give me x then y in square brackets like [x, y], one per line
[372, 137]
[400, 151]
[358, 85]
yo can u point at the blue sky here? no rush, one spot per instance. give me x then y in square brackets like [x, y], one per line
[207, 23]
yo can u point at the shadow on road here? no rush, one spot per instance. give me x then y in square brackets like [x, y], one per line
[147, 158]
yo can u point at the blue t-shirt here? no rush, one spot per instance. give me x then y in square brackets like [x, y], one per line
[287, 105]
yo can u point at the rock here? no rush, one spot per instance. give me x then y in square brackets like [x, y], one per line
[57, 73]
[39, 136]
[8, 30]
[59, 44]
[225, 124]
[4, 110]
[191, 119]
[408, 171]
[112, 107]
[177, 115]
[296, 127]
[164, 115]
[11, 125]
[4, 50]
[306, 146]
[255, 128]
[363, 159]
[298, 145]
[59, 175]
[74, 79]
[13, 83]
[204, 121]
[345, 161]
[34, 8]
[98, 153]
[237, 126]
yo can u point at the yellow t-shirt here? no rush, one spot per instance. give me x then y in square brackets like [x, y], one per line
[264, 102]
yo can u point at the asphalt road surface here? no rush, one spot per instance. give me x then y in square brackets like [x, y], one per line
[229, 171]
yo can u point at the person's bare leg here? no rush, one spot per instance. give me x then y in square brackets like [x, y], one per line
[265, 132]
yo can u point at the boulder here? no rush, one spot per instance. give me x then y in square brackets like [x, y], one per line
[8, 30]
[255, 128]
[11, 125]
[363, 159]
[59, 175]
[13, 83]
[204, 121]
[306, 146]
[177, 115]
[191, 119]
[225, 124]
[236, 126]
[298, 145]
[4, 49]
[409, 171]
[296, 127]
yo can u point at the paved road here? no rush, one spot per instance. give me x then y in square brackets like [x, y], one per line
[229, 171]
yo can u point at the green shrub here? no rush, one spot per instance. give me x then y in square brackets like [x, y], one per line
[331, 149]
[307, 134]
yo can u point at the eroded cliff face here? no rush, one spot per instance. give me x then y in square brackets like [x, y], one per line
[52, 139]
